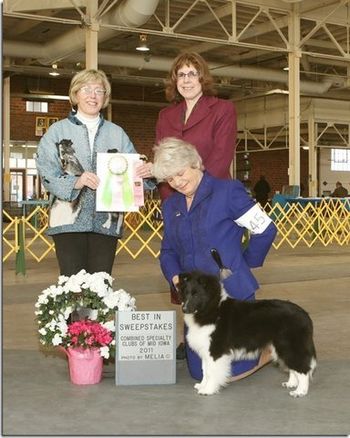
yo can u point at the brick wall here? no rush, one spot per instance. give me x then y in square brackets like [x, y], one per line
[22, 124]
[274, 165]
[139, 123]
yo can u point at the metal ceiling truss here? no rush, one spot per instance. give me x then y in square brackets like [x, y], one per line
[225, 19]
[330, 134]
[254, 21]
[265, 139]
[327, 135]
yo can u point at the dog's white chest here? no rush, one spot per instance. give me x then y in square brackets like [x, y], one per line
[198, 336]
[62, 213]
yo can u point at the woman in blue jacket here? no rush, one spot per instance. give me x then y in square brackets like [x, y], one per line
[204, 213]
[66, 161]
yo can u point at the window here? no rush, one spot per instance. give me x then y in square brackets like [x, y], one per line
[36, 107]
[340, 159]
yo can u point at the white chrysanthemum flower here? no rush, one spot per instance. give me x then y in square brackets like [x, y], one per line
[109, 325]
[67, 312]
[111, 300]
[51, 325]
[58, 291]
[62, 279]
[52, 291]
[104, 352]
[73, 285]
[98, 286]
[95, 290]
[81, 276]
[42, 300]
[126, 302]
[62, 327]
[56, 340]
[61, 317]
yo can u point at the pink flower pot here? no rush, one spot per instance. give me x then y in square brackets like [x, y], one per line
[85, 365]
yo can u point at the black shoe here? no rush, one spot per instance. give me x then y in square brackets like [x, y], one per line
[181, 352]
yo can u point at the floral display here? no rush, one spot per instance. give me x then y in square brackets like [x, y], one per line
[82, 290]
[88, 334]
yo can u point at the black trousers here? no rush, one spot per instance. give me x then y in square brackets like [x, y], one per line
[90, 251]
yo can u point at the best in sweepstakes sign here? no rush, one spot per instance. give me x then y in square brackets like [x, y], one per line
[145, 348]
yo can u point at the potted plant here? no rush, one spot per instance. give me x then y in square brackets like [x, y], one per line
[93, 337]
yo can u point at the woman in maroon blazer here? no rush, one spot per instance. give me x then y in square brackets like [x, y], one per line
[200, 118]
[197, 116]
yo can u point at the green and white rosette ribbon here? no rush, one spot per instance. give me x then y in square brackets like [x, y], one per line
[117, 166]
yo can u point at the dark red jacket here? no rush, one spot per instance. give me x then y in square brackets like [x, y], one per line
[211, 127]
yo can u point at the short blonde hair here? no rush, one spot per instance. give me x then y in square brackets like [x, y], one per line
[171, 156]
[83, 78]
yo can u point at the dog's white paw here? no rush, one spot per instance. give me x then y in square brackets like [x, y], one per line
[297, 393]
[289, 384]
[198, 386]
[208, 390]
[292, 381]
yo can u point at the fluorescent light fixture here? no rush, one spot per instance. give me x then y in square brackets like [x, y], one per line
[54, 71]
[277, 91]
[286, 68]
[306, 148]
[142, 47]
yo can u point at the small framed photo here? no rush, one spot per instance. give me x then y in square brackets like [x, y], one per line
[51, 120]
[40, 126]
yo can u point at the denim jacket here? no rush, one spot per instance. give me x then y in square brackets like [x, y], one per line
[70, 217]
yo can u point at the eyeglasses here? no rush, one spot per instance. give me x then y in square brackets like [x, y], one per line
[191, 74]
[97, 91]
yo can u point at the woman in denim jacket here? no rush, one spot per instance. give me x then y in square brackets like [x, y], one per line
[66, 161]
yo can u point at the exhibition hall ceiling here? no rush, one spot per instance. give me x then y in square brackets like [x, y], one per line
[246, 43]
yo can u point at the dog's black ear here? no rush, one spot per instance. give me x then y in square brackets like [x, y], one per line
[185, 276]
[207, 280]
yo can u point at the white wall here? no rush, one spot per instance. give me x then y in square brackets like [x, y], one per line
[330, 176]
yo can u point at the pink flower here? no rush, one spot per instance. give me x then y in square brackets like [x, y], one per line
[88, 334]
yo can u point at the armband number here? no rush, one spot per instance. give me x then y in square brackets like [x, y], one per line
[255, 220]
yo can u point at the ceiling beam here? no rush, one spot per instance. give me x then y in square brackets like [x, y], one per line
[39, 5]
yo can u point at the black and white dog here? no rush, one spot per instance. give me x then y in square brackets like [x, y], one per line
[222, 329]
[66, 212]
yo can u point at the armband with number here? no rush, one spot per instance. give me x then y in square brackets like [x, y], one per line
[255, 220]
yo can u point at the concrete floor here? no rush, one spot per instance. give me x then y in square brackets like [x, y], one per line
[38, 398]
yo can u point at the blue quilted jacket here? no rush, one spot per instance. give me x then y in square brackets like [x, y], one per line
[60, 185]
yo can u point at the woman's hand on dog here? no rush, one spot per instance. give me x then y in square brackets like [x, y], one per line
[175, 280]
[87, 179]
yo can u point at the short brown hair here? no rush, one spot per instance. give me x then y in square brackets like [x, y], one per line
[202, 68]
[82, 78]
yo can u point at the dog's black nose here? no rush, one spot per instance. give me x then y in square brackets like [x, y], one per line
[185, 308]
